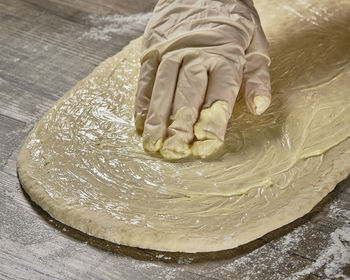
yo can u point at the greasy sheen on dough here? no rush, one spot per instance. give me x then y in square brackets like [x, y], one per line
[84, 164]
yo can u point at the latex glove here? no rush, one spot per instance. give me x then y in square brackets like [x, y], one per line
[196, 54]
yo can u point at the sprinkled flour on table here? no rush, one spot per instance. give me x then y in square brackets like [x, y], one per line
[105, 26]
[333, 258]
[336, 255]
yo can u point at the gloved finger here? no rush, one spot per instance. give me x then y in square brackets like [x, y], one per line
[189, 96]
[256, 77]
[224, 82]
[147, 76]
[160, 105]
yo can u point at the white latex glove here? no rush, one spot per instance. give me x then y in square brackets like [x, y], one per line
[196, 54]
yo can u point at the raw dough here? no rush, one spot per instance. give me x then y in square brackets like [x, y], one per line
[84, 164]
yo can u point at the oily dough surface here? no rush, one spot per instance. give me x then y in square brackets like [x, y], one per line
[84, 164]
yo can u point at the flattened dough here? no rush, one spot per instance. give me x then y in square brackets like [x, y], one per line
[84, 164]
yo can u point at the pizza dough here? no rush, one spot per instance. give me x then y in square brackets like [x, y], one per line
[84, 164]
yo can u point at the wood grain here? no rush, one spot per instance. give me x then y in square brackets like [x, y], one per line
[43, 53]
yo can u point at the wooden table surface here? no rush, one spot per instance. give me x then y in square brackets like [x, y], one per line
[46, 47]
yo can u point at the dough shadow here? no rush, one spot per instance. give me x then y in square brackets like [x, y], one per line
[319, 212]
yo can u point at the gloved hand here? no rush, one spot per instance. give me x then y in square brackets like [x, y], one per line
[196, 54]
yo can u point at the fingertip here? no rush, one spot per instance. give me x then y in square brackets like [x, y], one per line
[212, 121]
[261, 104]
[152, 145]
[139, 123]
[258, 104]
[210, 130]
[206, 148]
[180, 134]
[174, 152]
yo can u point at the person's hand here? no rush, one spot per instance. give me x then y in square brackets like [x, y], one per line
[196, 55]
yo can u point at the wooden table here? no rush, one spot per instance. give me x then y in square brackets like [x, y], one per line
[46, 47]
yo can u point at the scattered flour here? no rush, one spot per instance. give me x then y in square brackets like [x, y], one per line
[336, 255]
[253, 266]
[267, 259]
[336, 211]
[182, 260]
[291, 240]
[163, 257]
[105, 26]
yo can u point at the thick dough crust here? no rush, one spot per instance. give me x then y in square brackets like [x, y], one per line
[84, 164]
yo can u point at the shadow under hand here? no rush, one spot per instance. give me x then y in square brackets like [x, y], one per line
[309, 57]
